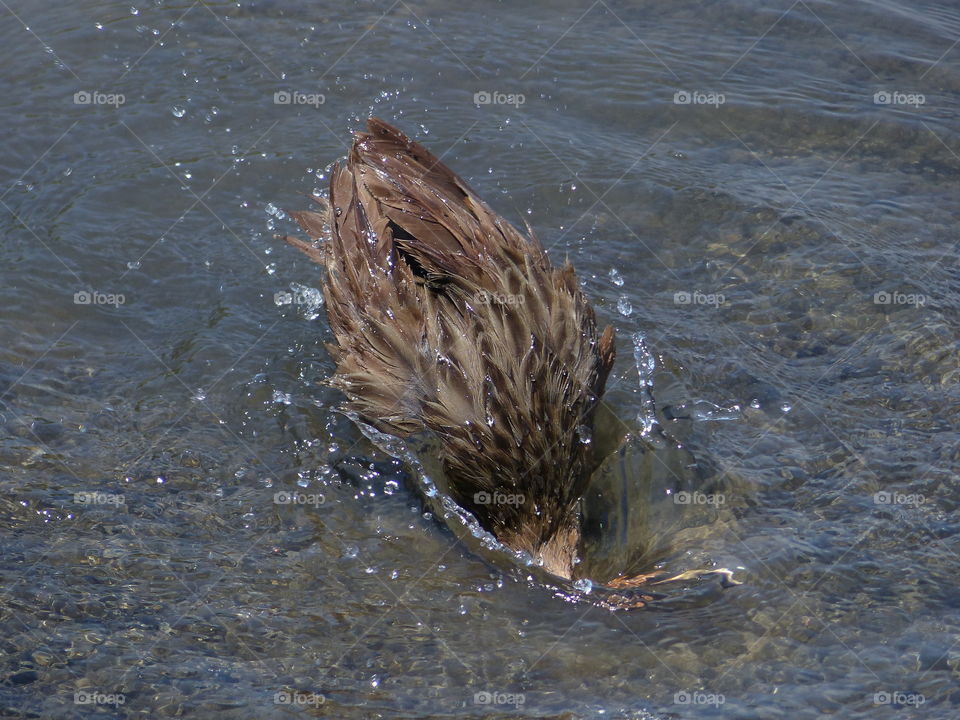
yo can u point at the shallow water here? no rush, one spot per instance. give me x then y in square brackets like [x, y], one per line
[146, 436]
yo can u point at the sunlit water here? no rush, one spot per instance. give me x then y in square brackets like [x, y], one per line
[761, 197]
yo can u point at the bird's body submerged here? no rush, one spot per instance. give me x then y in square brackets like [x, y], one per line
[447, 319]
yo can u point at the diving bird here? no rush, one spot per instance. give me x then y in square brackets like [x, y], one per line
[448, 319]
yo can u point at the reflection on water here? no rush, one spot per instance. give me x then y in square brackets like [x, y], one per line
[190, 523]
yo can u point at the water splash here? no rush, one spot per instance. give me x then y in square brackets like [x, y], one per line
[309, 300]
[456, 517]
[646, 364]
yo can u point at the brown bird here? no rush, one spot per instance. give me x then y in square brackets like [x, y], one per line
[448, 319]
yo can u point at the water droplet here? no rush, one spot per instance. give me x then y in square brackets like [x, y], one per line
[133, 265]
[178, 111]
[99, 26]
[755, 404]
[585, 436]
[199, 395]
[351, 551]
[584, 585]
[134, 11]
[615, 277]
[786, 407]
[624, 307]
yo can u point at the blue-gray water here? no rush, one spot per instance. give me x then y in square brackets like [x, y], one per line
[767, 192]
